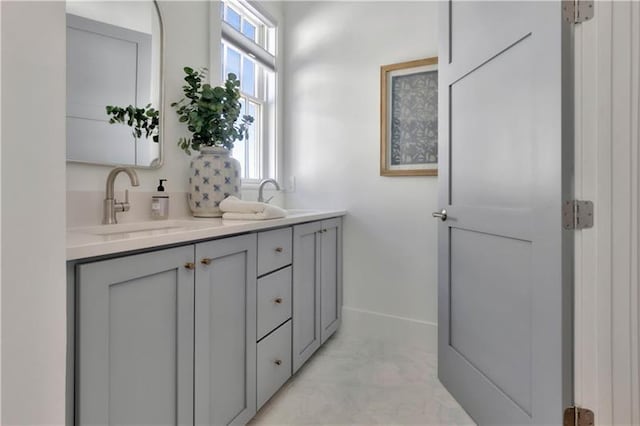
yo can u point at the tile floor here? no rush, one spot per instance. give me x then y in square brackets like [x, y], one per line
[355, 380]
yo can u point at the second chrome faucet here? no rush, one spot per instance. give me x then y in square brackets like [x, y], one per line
[261, 189]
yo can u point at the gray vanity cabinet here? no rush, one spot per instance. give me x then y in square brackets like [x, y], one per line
[191, 336]
[317, 286]
[134, 340]
[225, 333]
[306, 292]
[330, 278]
[168, 338]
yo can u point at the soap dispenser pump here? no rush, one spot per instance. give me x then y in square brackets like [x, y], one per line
[160, 203]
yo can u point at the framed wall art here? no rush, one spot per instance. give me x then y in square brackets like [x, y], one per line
[409, 118]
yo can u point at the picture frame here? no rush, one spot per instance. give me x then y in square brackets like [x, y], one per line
[409, 118]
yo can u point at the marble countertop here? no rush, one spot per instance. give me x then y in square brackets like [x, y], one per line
[102, 240]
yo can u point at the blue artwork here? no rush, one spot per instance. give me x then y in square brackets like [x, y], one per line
[414, 119]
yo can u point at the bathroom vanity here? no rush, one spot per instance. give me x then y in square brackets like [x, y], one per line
[197, 321]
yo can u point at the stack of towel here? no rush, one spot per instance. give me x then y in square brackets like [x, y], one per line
[234, 208]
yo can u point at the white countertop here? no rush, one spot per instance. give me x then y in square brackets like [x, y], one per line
[101, 240]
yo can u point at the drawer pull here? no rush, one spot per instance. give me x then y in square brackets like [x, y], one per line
[278, 362]
[278, 300]
[190, 266]
[206, 261]
[279, 249]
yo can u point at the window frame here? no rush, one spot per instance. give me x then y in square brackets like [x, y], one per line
[266, 97]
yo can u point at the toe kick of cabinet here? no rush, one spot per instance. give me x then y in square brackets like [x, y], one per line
[274, 362]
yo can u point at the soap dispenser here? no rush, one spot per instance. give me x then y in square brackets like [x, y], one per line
[160, 203]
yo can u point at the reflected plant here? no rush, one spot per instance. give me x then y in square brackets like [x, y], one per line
[142, 120]
[211, 113]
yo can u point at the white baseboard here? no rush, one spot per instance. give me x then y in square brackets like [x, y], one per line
[368, 324]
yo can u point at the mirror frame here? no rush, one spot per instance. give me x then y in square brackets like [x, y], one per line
[161, 107]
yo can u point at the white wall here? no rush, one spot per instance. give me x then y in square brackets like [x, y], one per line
[33, 213]
[607, 293]
[0, 220]
[334, 51]
[137, 16]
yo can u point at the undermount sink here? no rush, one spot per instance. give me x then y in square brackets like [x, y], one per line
[300, 211]
[119, 229]
[145, 228]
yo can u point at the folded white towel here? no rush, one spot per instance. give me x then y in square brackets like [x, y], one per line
[236, 209]
[236, 205]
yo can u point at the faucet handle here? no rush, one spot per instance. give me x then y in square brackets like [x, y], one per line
[126, 205]
[268, 199]
[122, 206]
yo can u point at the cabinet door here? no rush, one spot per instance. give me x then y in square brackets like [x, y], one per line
[306, 292]
[225, 336]
[330, 277]
[135, 340]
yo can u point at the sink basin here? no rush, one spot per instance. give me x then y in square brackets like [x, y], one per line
[133, 231]
[300, 211]
[145, 229]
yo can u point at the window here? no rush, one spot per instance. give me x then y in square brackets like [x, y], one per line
[248, 51]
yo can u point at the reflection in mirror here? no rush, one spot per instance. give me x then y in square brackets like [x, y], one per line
[114, 58]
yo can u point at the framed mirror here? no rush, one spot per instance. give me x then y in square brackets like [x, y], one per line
[114, 58]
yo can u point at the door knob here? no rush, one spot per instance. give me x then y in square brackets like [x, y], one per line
[441, 214]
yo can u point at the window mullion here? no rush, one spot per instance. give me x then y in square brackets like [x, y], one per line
[247, 156]
[252, 98]
[224, 62]
[264, 154]
[266, 112]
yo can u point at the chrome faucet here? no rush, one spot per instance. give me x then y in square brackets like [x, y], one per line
[111, 206]
[261, 188]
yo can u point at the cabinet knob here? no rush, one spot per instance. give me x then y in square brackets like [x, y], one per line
[278, 362]
[190, 265]
[278, 300]
[206, 261]
[279, 249]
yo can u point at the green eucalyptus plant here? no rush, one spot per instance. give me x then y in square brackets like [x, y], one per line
[211, 113]
[142, 120]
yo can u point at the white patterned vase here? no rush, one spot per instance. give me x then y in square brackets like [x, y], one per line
[213, 176]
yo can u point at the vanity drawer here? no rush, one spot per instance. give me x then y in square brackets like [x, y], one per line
[274, 250]
[274, 300]
[274, 362]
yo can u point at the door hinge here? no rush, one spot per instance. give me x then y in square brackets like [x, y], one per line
[577, 214]
[578, 416]
[577, 11]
